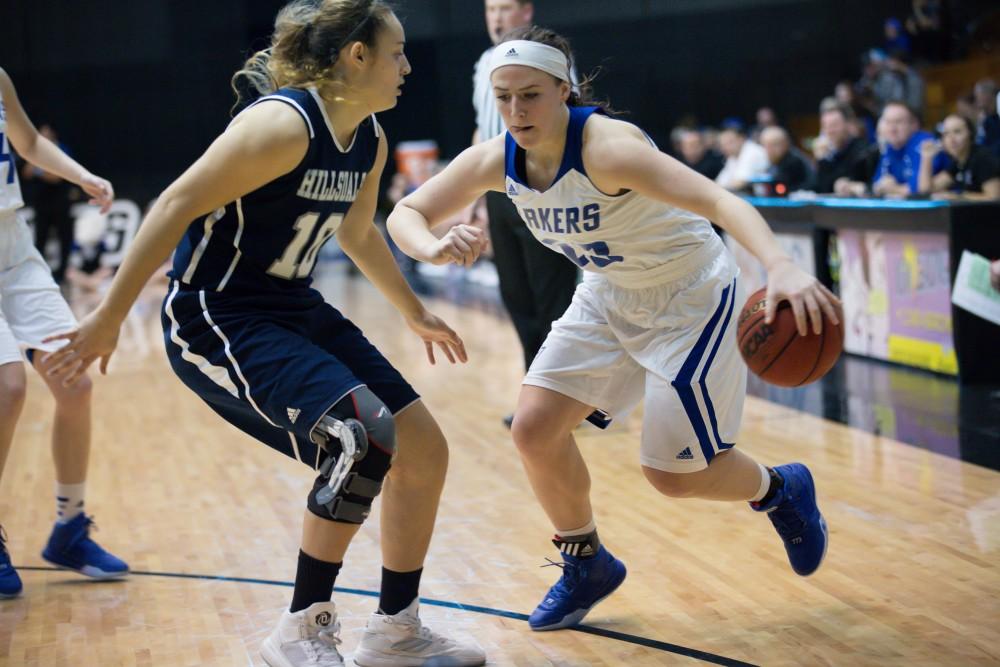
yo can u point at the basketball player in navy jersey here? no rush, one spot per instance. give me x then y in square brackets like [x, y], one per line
[32, 309]
[247, 333]
[653, 316]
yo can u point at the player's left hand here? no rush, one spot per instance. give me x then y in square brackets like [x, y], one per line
[100, 190]
[809, 298]
[434, 331]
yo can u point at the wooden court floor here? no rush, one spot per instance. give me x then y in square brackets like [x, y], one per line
[912, 575]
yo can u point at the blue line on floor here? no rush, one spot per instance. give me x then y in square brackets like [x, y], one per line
[587, 629]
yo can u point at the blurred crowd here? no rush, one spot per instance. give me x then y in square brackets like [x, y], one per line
[872, 139]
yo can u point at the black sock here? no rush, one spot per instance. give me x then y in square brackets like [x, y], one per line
[399, 589]
[579, 546]
[776, 483]
[313, 582]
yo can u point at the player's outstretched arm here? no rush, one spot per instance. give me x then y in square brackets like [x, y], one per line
[476, 170]
[263, 143]
[618, 157]
[363, 243]
[41, 152]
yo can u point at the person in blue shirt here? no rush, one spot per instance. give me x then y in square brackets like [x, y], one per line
[898, 168]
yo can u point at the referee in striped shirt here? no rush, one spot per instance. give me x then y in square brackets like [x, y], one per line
[536, 284]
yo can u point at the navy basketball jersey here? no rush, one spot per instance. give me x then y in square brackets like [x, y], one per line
[268, 240]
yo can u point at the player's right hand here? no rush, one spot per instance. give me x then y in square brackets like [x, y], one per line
[95, 338]
[462, 245]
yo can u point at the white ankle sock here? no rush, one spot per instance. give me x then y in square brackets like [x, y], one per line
[584, 530]
[69, 501]
[765, 484]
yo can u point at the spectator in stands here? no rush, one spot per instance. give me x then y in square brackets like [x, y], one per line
[973, 172]
[896, 39]
[966, 106]
[765, 118]
[899, 166]
[862, 107]
[988, 122]
[896, 80]
[745, 159]
[696, 154]
[858, 184]
[838, 151]
[787, 167]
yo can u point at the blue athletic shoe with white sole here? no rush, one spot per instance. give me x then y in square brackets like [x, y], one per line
[10, 583]
[796, 517]
[70, 547]
[584, 583]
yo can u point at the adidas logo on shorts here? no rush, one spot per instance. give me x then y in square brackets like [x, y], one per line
[686, 455]
[510, 54]
[293, 414]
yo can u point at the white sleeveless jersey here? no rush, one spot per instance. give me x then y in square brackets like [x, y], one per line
[632, 240]
[10, 189]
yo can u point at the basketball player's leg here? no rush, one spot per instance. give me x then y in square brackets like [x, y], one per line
[691, 422]
[12, 392]
[543, 432]
[35, 310]
[71, 425]
[581, 366]
[410, 496]
[13, 384]
[412, 491]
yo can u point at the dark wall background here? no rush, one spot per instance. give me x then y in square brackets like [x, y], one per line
[138, 89]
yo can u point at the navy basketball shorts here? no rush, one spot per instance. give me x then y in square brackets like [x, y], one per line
[272, 366]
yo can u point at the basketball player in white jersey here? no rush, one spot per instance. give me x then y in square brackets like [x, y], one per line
[32, 308]
[654, 316]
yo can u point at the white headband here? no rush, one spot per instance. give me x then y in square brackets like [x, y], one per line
[531, 54]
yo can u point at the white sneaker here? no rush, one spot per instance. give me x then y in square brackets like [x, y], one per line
[402, 641]
[307, 638]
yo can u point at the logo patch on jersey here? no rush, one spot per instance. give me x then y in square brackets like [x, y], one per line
[510, 54]
[512, 190]
[293, 414]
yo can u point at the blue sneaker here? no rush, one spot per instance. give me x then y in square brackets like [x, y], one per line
[796, 517]
[10, 583]
[70, 547]
[584, 583]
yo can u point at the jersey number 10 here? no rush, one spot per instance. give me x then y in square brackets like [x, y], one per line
[300, 256]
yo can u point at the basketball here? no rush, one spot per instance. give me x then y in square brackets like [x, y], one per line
[777, 353]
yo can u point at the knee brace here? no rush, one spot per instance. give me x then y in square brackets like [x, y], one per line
[359, 436]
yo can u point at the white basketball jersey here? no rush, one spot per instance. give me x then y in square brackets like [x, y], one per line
[631, 239]
[10, 189]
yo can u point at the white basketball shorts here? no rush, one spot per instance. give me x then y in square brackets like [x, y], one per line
[31, 306]
[674, 343]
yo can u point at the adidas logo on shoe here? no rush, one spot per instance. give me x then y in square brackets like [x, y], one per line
[686, 455]
[511, 54]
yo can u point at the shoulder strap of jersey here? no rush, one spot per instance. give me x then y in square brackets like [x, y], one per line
[293, 98]
[514, 161]
[573, 152]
